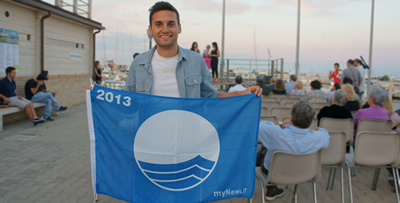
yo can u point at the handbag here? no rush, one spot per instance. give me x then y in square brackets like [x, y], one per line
[355, 87]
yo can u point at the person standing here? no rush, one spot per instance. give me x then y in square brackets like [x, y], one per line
[214, 60]
[336, 73]
[169, 70]
[353, 74]
[206, 56]
[97, 71]
[9, 94]
[195, 47]
[361, 84]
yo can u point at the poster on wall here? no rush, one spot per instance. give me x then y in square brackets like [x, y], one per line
[9, 49]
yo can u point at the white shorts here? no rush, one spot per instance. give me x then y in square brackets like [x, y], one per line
[20, 103]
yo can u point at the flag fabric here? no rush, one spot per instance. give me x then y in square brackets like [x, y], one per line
[147, 148]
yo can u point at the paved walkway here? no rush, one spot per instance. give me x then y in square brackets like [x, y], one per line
[54, 166]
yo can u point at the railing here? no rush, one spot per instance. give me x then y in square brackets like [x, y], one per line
[252, 67]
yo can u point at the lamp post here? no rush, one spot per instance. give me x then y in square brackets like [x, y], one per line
[223, 41]
[298, 41]
[371, 37]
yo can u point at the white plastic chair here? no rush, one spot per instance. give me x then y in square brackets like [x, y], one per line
[280, 112]
[269, 105]
[268, 118]
[374, 125]
[334, 156]
[291, 169]
[379, 150]
[342, 125]
[288, 104]
[301, 97]
[353, 113]
[278, 96]
[269, 99]
[288, 99]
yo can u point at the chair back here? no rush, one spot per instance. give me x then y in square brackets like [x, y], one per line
[264, 98]
[336, 124]
[374, 125]
[289, 99]
[297, 96]
[335, 153]
[269, 105]
[280, 112]
[269, 118]
[377, 148]
[319, 105]
[286, 118]
[289, 169]
[353, 113]
[278, 96]
[288, 104]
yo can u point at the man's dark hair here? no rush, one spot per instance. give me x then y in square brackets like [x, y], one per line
[238, 80]
[347, 80]
[162, 6]
[293, 77]
[336, 64]
[351, 61]
[134, 55]
[316, 84]
[337, 85]
[358, 61]
[9, 69]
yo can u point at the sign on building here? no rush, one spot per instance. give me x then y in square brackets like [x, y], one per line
[9, 49]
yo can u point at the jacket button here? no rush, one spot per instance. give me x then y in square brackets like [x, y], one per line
[136, 87]
[194, 81]
[151, 76]
[147, 90]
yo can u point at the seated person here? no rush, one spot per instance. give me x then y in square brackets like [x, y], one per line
[35, 90]
[279, 87]
[316, 95]
[395, 117]
[9, 95]
[292, 137]
[298, 89]
[376, 97]
[330, 94]
[352, 104]
[260, 82]
[347, 80]
[272, 84]
[46, 73]
[238, 87]
[336, 110]
[290, 85]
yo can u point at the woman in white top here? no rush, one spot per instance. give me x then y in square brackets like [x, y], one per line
[298, 89]
[206, 56]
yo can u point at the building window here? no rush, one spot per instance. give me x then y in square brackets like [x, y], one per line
[57, 42]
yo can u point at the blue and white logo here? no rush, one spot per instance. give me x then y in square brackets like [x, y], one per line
[176, 150]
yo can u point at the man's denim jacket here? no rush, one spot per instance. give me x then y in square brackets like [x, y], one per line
[192, 75]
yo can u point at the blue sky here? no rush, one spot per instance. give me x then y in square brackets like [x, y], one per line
[331, 30]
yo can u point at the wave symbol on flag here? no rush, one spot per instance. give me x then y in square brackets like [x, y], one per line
[178, 176]
[176, 150]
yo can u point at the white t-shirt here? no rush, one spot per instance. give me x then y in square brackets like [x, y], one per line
[236, 88]
[362, 73]
[164, 77]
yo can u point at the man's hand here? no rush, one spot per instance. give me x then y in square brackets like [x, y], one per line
[88, 87]
[6, 100]
[53, 92]
[254, 89]
[40, 82]
[19, 97]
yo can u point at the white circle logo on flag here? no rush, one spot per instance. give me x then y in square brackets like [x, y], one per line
[176, 150]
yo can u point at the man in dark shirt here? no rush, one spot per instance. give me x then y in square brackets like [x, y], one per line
[35, 90]
[336, 110]
[260, 83]
[9, 94]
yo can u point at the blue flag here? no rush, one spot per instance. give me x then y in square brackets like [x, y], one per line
[148, 148]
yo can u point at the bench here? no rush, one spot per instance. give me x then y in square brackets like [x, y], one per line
[10, 110]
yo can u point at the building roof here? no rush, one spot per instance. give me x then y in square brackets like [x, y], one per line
[40, 5]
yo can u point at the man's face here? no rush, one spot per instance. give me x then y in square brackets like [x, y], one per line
[12, 74]
[165, 28]
[336, 67]
[348, 64]
[356, 64]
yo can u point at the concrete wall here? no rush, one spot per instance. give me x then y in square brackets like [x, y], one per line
[67, 76]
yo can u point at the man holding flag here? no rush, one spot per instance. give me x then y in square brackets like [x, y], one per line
[163, 149]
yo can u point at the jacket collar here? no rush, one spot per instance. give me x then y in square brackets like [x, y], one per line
[149, 56]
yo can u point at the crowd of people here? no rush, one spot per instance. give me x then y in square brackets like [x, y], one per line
[35, 91]
[210, 57]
